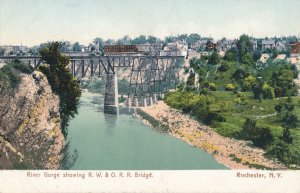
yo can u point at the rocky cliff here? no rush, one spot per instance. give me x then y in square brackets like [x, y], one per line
[30, 134]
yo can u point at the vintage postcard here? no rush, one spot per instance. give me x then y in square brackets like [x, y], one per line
[149, 96]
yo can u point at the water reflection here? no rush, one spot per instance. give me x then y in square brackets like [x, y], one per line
[105, 141]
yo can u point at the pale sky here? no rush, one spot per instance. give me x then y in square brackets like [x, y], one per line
[32, 22]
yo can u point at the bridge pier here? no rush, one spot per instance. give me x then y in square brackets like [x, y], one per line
[154, 98]
[144, 101]
[111, 103]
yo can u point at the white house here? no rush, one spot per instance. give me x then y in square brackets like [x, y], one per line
[267, 44]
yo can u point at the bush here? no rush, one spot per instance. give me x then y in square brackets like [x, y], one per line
[280, 150]
[260, 137]
[230, 87]
[263, 138]
[9, 74]
[286, 136]
[248, 129]
[239, 74]
[267, 91]
[212, 86]
[204, 91]
[22, 67]
[249, 83]
[224, 67]
[286, 113]
[214, 58]
[213, 116]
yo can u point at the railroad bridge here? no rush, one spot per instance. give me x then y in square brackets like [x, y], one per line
[149, 76]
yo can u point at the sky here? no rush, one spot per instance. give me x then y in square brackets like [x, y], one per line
[31, 22]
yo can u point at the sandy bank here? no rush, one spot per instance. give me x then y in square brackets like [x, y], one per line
[235, 154]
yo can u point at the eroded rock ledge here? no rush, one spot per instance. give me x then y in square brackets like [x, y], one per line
[30, 134]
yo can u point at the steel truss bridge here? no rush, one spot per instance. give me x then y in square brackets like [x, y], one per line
[149, 76]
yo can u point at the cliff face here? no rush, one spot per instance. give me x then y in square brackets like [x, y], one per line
[30, 134]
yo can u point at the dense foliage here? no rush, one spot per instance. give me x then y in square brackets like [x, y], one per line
[9, 74]
[245, 99]
[61, 82]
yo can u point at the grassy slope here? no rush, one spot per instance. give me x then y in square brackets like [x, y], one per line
[237, 115]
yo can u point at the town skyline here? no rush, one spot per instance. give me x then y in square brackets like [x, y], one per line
[71, 20]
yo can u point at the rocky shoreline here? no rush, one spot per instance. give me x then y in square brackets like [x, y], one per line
[233, 153]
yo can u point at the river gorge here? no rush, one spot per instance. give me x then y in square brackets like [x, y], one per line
[123, 142]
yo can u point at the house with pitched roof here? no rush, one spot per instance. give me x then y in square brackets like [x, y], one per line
[295, 49]
[267, 44]
[280, 46]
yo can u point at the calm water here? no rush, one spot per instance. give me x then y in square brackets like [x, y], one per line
[124, 142]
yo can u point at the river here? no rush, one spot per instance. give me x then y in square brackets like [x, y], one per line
[107, 142]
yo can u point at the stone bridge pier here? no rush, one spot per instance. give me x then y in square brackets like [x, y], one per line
[111, 103]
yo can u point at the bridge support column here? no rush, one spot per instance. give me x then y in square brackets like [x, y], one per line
[154, 98]
[111, 102]
[136, 102]
[150, 101]
[144, 101]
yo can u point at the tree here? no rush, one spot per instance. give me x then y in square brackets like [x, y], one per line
[2, 51]
[126, 40]
[139, 40]
[247, 59]
[248, 129]
[76, 47]
[61, 81]
[230, 87]
[152, 39]
[190, 83]
[286, 113]
[240, 74]
[249, 83]
[280, 150]
[260, 136]
[244, 45]
[256, 55]
[295, 71]
[283, 82]
[286, 136]
[230, 55]
[193, 38]
[109, 42]
[224, 67]
[214, 58]
[263, 138]
[212, 86]
[65, 46]
[170, 39]
[267, 91]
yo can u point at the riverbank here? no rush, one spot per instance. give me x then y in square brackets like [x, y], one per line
[233, 153]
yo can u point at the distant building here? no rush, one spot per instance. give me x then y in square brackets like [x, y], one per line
[254, 44]
[197, 44]
[224, 45]
[200, 45]
[280, 46]
[267, 44]
[211, 45]
[14, 49]
[173, 53]
[85, 49]
[295, 49]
